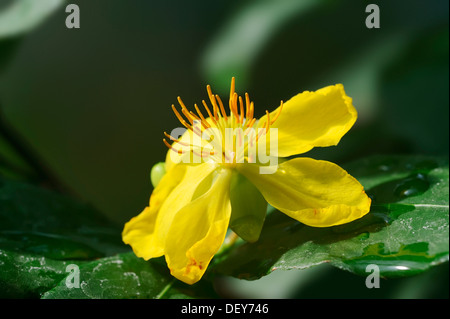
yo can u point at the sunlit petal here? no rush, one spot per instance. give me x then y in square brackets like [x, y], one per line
[316, 193]
[312, 119]
[198, 230]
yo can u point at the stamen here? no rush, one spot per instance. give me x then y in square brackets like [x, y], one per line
[252, 109]
[250, 123]
[243, 118]
[213, 102]
[222, 109]
[232, 88]
[278, 113]
[180, 152]
[192, 114]
[199, 113]
[196, 129]
[209, 112]
[215, 108]
[233, 107]
[183, 107]
[167, 143]
[206, 154]
[260, 134]
[202, 154]
[241, 108]
[201, 116]
[197, 153]
[247, 105]
[196, 118]
[187, 115]
[180, 118]
[175, 140]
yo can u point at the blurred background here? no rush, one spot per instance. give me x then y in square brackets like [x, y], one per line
[91, 104]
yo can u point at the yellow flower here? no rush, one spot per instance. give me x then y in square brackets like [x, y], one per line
[216, 180]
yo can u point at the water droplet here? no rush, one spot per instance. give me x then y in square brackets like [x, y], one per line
[411, 186]
[396, 190]
[387, 165]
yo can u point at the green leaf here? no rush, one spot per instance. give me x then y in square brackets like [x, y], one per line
[41, 232]
[126, 276]
[23, 15]
[405, 233]
[37, 221]
[25, 275]
[17, 17]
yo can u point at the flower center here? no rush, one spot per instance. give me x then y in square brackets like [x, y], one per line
[220, 137]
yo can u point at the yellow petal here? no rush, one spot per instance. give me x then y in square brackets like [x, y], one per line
[185, 155]
[316, 193]
[139, 232]
[198, 230]
[188, 188]
[312, 119]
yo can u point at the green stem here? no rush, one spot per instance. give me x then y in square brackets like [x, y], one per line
[165, 289]
[229, 242]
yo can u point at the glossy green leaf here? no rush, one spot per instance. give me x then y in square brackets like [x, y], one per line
[405, 233]
[42, 233]
[37, 221]
[25, 275]
[126, 276]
